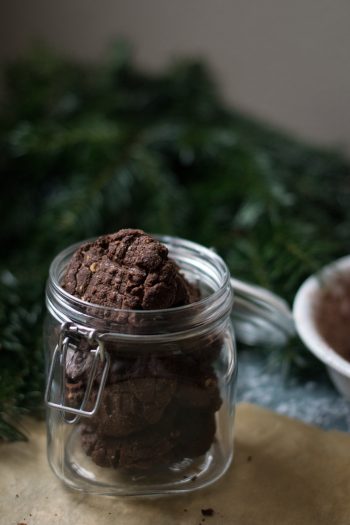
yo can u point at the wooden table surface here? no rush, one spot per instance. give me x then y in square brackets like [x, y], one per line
[284, 473]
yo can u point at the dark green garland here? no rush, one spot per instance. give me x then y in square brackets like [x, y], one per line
[86, 150]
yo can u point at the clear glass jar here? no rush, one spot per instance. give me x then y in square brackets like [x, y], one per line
[142, 402]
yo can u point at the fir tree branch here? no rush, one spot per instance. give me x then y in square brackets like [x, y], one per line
[87, 149]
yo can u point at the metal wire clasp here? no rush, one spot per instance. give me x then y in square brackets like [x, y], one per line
[59, 359]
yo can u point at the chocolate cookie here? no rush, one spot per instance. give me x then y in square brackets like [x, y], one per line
[199, 392]
[176, 437]
[79, 361]
[128, 270]
[140, 451]
[196, 433]
[74, 394]
[130, 406]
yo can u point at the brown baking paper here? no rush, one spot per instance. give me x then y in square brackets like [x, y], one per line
[284, 472]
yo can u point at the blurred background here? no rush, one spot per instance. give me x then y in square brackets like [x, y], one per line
[224, 122]
[287, 62]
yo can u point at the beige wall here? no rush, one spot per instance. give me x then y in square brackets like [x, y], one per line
[286, 61]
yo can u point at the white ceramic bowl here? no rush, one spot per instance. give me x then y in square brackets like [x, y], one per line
[303, 308]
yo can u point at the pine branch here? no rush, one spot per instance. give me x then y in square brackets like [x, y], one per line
[88, 149]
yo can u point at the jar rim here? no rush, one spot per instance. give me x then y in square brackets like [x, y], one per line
[219, 298]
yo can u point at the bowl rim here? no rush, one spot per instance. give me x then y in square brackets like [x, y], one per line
[305, 322]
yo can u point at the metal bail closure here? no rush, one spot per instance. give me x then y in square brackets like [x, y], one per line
[68, 334]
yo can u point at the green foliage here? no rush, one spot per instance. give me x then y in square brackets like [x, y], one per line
[87, 149]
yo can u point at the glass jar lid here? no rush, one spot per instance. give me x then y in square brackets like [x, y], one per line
[260, 316]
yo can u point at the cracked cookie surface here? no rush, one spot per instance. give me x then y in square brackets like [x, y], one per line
[129, 270]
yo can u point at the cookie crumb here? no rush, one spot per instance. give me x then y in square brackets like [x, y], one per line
[207, 512]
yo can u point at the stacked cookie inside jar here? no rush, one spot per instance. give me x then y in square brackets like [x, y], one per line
[158, 405]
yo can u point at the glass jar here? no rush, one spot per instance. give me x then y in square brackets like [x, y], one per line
[143, 402]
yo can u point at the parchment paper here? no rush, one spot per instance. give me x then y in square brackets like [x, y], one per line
[284, 472]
